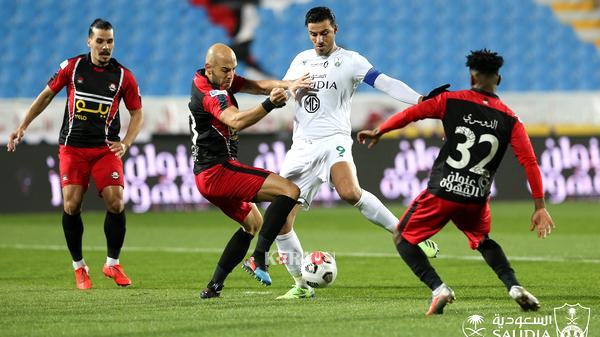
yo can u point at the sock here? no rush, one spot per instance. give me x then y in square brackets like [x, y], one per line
[289, 246]
[374, 210]
[111, 262]
[418, 262]
[73, 229]
[114, 230]
[233, 254]
[274, 219]
[79, 264]
[495, 258]
[437, 290]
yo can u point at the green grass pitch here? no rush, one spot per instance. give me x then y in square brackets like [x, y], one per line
[171, 256]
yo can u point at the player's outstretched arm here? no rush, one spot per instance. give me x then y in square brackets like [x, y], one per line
[374, 135]
[264, 87]
[541, 219]
[242, 119]
[36, 108]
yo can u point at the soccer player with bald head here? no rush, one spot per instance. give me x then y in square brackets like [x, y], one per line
[215, 120]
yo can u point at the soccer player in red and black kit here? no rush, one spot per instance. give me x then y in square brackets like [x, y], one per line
[221, 178]
[89, 142]
[478, 128]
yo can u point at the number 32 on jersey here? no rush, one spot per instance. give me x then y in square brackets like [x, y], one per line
[464, 149]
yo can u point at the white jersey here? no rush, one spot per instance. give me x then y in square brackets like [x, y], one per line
[325, 110]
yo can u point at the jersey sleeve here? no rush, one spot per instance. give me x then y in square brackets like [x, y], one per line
[431, 108]
[524, 152]
[62, 76]
[294, 71]
[361, 67]
[238, 83]
[216, 102]
[131, 92]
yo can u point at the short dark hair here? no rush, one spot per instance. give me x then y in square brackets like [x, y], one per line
[319, 14]
[100, 24]
[485, 61]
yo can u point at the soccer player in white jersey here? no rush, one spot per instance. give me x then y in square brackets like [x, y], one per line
[322, 143]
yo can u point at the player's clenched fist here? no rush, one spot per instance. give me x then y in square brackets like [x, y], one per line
[278, 96]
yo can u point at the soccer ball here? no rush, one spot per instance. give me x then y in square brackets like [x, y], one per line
[319, 269]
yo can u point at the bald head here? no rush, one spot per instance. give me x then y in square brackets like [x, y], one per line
[219, 52]
[220, 65]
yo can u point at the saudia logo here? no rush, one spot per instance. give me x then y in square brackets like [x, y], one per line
[568, 321]
[323, 85]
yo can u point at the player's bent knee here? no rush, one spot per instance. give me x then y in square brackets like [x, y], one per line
[251, 229]
[397, 237]
[291, 190]
[351, 196]
[72, 208]
[115, 206]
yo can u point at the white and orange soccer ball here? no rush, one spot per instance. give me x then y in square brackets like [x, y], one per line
[319, 269]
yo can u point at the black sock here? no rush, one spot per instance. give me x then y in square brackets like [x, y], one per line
[73, 229]
[233, 254]
[495, 258]
[418, 262]
[114, 230]
[275, 217]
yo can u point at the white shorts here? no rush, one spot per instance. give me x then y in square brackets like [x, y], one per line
[308, 163]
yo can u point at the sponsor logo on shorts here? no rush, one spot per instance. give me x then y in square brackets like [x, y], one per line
[65, 178]
[115, 175]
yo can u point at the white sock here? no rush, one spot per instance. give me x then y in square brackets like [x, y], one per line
[111, 262]
[288, 245]
[78, 264]
[374, 210]
[437, 290]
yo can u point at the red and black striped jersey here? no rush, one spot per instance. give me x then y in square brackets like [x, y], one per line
[93, 96]
[213, 141]
[478, 128]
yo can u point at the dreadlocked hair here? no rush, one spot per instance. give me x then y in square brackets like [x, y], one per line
[485, 61]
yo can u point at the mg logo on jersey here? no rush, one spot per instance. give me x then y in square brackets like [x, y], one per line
[311, 103]
[572, 320]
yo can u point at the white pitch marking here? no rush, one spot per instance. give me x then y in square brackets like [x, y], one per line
[256, 292]
[341, 254]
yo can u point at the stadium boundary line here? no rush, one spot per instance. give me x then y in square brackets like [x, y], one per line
[341, 254]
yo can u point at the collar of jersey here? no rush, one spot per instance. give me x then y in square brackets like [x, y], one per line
[486, 93]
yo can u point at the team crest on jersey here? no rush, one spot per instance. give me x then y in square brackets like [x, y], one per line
[112, 87]
[337, 61]
[214, 93]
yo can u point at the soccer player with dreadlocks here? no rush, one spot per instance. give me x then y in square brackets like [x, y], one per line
[478, 127]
